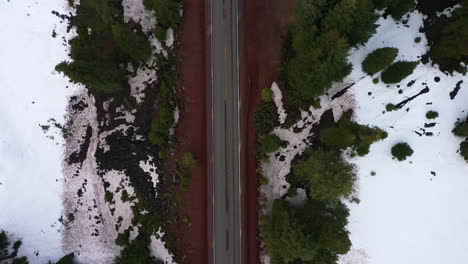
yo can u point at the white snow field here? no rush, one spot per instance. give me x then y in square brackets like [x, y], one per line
[407, 214]
[30, 163]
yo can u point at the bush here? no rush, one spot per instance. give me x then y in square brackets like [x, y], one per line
[389, 107]
[417, 39]
[375, 80]
[401, 151]
[379, 59]
[161, 125]
[337, 137]
[164, 120]
[267, 95]
[398, 71]
[325, 174]
[461, 129]
[270, 143]
[266, 118]
[464, 149]
[188, 161]
[432, 115]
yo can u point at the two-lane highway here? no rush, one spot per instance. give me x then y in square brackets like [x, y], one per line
[225, 130]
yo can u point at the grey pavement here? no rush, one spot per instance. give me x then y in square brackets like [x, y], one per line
[225, 127]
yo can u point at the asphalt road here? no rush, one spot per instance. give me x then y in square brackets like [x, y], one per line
[225, 127]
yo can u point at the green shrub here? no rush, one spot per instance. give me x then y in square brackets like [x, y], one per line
[401, 151]
[432, 115]
[270, 143]
[164, 120]
[363, 149]
[161, 125]
[337, 137]
[379, 59]
[188, 161]
[375, 80]
[266, 118]
[267, 95]
[464, 149]
[461, 129]
[398, 71]
[389, 107]
[417, 39]
[135, 46]
[325, 174]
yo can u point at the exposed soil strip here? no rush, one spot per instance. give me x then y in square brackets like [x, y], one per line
[262, 25]
[191, 131]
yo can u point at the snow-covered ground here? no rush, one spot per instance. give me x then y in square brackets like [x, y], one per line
[411, 211]
[40, 182]
[32, 93]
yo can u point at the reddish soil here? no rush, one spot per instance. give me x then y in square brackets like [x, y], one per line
[191, 131]
[263, 24]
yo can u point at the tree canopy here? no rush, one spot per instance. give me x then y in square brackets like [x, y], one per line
[379, 59]
[315, 233]
[325, 174]
[315, 53]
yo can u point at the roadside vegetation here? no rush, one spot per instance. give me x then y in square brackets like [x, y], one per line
[314, 55]
[315, 52]
[104, 54]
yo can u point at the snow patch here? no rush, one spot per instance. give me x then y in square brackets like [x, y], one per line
[158, 248]
[277, 98]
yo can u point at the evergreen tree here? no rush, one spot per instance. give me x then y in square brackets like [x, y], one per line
[315, 233]
[396, 8]
[131, 44]
[453, 41]
[354, 19]
[284, 236]
[325, 174]
[398, 71]
[379, 59]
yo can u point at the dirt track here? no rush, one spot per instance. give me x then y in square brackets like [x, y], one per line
[191, 130]
[263, 23]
